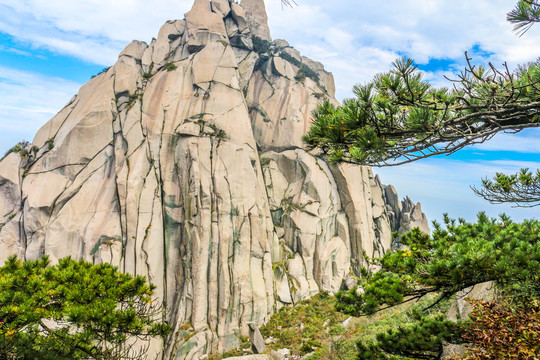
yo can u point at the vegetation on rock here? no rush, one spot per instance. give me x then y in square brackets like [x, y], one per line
[315, 327]
[19, 148]
[306, 326]
[170, 66]
[304, 70]
[503, 331]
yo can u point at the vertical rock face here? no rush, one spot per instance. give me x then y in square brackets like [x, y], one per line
[183, 163]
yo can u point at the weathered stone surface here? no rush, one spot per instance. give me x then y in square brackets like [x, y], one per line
[284, 68]
[203, 26]
[10, 206]
[257, 18]
[194, 176]
[461, 309]
[412, 217]
[257, 342]
[135, 49]
[280, 354]
[280, 108]
[326, 78]
[239, 17]
[221, 7]
[251, 357]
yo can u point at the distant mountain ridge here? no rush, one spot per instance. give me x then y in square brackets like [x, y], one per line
[183, 162]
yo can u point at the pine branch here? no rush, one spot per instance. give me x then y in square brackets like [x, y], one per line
[399, 118]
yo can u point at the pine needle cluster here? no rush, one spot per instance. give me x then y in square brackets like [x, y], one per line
[399, 117]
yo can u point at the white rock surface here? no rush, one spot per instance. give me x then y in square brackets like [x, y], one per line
[258, 20]
[251, 357]
[183, 163]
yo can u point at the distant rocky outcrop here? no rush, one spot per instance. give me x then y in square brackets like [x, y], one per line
[183, 162]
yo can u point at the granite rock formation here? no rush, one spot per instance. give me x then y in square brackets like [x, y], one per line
[183, 162]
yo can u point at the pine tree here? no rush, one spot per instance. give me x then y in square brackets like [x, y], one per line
[522, 189]
[399, 117]
[453, 258]
[75, 310]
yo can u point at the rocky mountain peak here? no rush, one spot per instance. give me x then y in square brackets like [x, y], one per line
[257, 18]
[183, 163]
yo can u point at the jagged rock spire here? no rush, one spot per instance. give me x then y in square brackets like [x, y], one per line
[258, 20]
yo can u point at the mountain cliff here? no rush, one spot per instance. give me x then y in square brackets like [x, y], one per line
[183, 162]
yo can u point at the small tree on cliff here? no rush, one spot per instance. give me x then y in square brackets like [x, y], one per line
[74, 310]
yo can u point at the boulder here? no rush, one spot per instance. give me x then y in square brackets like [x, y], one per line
[460, 309]
[251, 357]
[257, 342]
[350, 283]
[258, 20]
[221, 7]
[280, 354]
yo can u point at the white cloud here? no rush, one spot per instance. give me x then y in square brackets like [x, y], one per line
[117, 20]
[96, 30]
[419, 29]
[526, 142]
[93, 30]
[443, 185]
[27, 101]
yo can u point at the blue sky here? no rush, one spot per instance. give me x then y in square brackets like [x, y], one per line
[49, 48]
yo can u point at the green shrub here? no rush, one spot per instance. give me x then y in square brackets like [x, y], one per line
[261, 46]
[170, 66]
[306, 326]
[18, 148]
[300, 76]
[304, 70]
[96, 308]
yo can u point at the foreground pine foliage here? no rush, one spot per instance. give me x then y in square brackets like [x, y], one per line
[399, 117]
[74, 310]
[454, 258]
